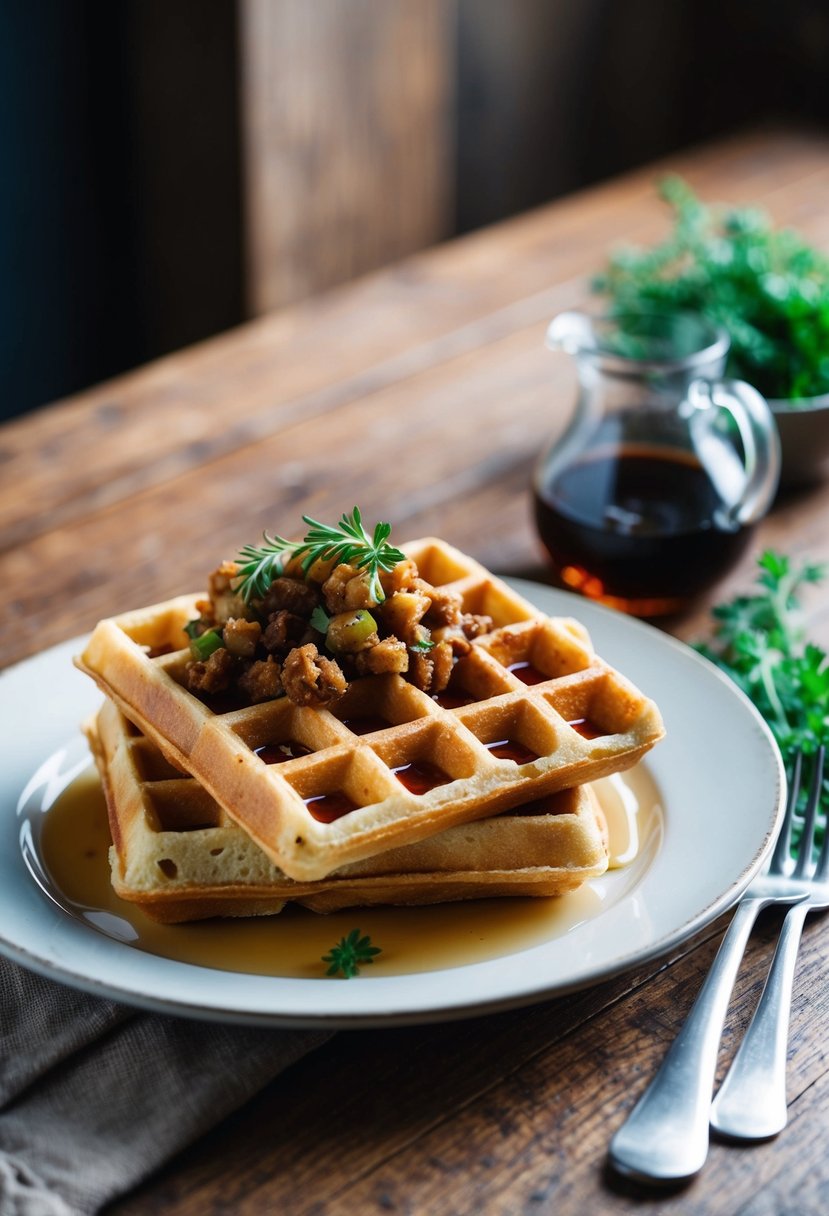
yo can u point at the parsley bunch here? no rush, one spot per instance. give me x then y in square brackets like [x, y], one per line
[766, 286]
[759, 641]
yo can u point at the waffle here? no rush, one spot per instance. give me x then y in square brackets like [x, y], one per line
[179, 857]
[531, 710]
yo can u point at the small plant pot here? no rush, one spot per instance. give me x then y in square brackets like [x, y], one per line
[804, 439]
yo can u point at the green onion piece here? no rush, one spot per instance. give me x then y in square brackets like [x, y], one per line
[203, 647]
[349, 631]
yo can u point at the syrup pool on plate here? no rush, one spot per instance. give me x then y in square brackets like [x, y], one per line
[68, 846]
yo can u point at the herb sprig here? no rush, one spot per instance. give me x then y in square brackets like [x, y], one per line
[766, 286]
[759, 641]
[347, 541]
[351, 953]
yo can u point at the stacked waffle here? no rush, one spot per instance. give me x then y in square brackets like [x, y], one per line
[388, 794]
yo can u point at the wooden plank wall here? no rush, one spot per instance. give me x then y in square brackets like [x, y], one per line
[347, 115]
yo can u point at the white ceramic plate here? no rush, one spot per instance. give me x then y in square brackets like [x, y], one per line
[718, 770]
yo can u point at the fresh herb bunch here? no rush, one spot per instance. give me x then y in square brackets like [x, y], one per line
[347, 541]
[350, 954]
[766, 286]
[759, 641]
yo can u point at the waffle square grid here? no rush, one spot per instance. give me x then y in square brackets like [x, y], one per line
[179, 856]
[533, 682]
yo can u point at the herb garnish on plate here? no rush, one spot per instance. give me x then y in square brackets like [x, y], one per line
[350, 953]
[759, 641]
[765, 285]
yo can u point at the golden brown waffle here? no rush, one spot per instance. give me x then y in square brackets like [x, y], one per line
[511, 726]
[180, 857]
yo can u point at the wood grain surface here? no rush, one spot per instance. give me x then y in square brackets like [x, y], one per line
[338, 179]
[424, 393]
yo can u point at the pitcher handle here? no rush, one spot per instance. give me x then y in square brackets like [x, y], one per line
[571, 332]
[758, 435]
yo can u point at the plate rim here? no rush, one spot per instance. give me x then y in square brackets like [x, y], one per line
[368, 1003]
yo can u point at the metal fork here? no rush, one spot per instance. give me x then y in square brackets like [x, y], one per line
[751, 1102]
[665, 1138]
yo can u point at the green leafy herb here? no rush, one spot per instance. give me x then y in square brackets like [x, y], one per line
[320, 619]
[759, 642]
[260, 565]
[350, 954]
[347, 541]
[766, 286]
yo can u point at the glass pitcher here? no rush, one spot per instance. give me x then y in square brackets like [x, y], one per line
[651, 494]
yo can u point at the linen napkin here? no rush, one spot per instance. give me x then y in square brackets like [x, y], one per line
[94, 1096]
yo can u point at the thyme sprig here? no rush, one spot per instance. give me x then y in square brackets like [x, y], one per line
[350, 953]
[260, 565]
[347, 541]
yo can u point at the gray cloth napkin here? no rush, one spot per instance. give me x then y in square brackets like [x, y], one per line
[95, 1096]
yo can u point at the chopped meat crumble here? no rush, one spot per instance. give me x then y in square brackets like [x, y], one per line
[306, 637]
[310, 679]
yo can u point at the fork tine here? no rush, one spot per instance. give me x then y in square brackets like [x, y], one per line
[781, 850]
[807, 840]
[823, 861]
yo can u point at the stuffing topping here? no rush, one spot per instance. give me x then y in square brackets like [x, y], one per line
[301, 620]
[310, 679]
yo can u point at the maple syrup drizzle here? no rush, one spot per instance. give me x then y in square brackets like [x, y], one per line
[453, 700]
[527, 672]
[158, 652]
[72, 840]
[420, 776]
[278, 753]
[586, 728]
[328, 807]
[622, 811]
[366, 724]
[511, 749]
[220, 702]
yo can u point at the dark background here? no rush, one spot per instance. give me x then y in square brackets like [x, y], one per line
[121, 199]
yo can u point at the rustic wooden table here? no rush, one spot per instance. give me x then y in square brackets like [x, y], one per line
[423, 392]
